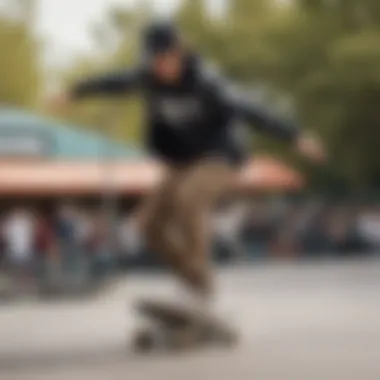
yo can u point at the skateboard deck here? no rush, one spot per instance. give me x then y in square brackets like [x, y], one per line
[177, 328]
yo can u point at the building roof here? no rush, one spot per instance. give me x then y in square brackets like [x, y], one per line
[56, 140]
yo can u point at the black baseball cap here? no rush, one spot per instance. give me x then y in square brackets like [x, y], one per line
[159, 37]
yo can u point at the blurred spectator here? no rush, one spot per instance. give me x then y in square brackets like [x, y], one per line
[47, 259]
[228, 229]
[258, 229]
[102, 246]
[285, 241]
[65, 223]
[63, 248]
[83, 227]
[45, 237]
[72, 258]
[19, 234]
[129, 236]
[368, 226]
[313, 229]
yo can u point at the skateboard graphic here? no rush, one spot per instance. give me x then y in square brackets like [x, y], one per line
[175, 328]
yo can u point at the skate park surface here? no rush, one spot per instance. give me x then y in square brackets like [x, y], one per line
[306, 321]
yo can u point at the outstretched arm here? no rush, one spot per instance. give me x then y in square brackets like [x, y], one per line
[259, 117]
[239, 104]
[266, 121]
[112, 84]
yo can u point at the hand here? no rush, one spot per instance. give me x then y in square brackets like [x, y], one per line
[311, 148]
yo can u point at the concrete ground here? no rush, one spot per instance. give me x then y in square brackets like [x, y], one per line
[308, 321]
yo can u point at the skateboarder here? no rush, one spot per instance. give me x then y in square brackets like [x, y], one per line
[192, 127]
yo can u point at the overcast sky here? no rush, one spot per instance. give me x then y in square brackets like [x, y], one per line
[65, 24]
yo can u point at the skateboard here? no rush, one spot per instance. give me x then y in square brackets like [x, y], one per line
[174, 328]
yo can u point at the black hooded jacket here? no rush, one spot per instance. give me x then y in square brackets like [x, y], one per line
[195, 118]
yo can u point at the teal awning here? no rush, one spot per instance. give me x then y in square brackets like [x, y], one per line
[27, 132]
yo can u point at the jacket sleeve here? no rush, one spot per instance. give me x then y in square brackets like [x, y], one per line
[263, 119]
[110, 84]
[243, 108]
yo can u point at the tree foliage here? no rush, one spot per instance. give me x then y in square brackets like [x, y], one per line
[19, 71]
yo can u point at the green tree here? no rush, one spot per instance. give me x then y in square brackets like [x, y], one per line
[19, 69]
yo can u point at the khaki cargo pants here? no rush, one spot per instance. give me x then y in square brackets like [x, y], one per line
[176, 218]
